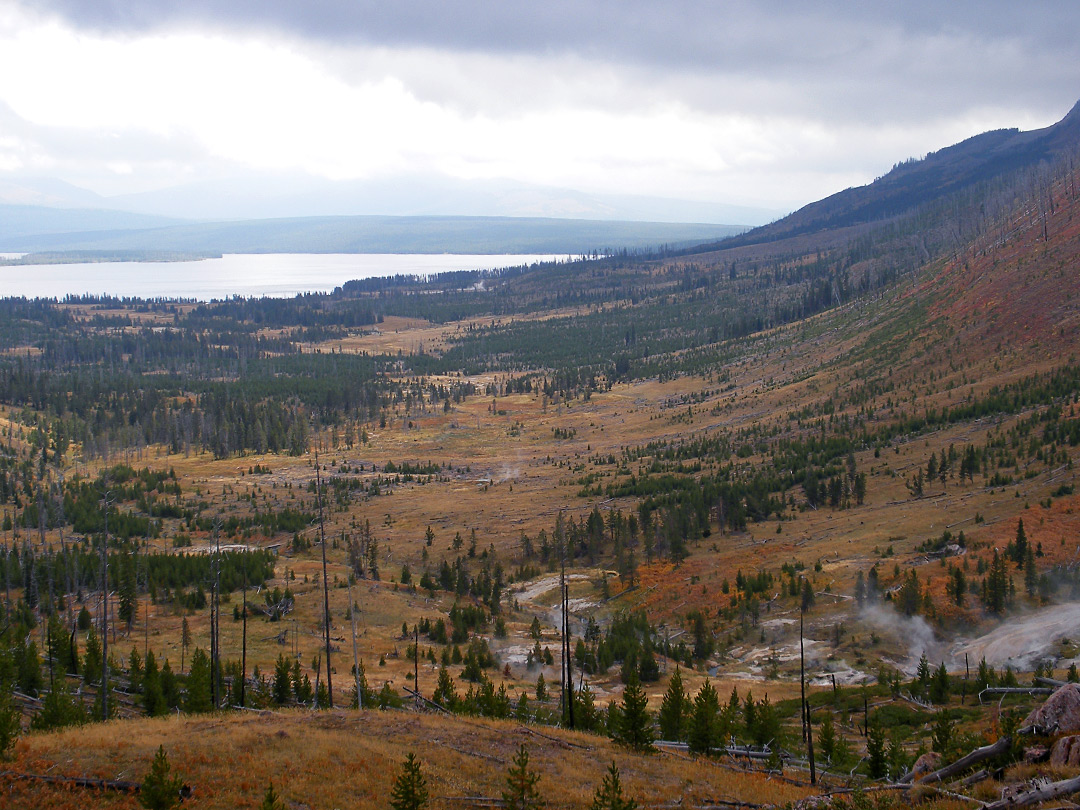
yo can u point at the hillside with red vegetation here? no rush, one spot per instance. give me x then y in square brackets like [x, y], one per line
[1019, 285]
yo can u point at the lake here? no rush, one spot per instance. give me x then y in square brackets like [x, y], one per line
[276, 275]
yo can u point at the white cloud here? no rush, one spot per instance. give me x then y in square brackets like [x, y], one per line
[130, 109]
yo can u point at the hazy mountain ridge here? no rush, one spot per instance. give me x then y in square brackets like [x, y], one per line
[915, 183]
[301, 214]
[22, 222]
[371, 234]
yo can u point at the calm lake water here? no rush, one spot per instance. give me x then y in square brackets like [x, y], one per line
[278, 275]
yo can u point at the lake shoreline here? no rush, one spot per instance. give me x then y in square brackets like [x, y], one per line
[244, 275]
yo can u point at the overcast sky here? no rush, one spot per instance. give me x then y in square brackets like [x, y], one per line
[759, 103]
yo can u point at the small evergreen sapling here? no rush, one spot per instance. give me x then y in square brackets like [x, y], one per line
[410, 788]
[521, 792]
[271, 801]
[160, 790]
[609, 795]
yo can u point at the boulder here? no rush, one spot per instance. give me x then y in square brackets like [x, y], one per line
[926, 764]
[1060, 714]
[1036, 754]
[1066, 752]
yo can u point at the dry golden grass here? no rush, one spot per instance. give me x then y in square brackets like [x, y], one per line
[350, 759]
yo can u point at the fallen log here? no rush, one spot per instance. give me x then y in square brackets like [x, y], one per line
[965, 762]
[1054, 682]
[709, 804]
[1016, 690]
[76, 781]
[732, 751]
[1045, 793]
[476, 801]
[120, 785]
[556, 740]
[429, 703]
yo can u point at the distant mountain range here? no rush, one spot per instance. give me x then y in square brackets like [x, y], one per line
[85, 231]
[277, 214]
[290, 196]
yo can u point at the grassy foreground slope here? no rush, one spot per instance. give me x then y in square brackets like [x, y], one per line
[349, 759]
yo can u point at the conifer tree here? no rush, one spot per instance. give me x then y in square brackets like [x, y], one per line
[827, 737]
[198, 684]
[410, 790]
[674, 709]
[1020, 545]
[271, 801]
[635, 727]
[160, 790]
[942, 736]
[282, 681]
[586, 716]
[897, 757]
[153, 698]
[59, 709]
[135, 670]
[609, 795]
[366, 693]
[922, 675]
[766, 727]
[807, 595]
[939, 685]
[521, 792]
[58, 646]
[170, 687]
[10, 724]
[704, 728]
[28, 668]
[1031, 575]
[92, 660]
[876, 762]
[997, 585]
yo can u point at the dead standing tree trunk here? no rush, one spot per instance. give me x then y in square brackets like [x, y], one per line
[326, 584]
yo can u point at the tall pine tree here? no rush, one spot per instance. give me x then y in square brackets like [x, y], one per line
[674, 710]
[705, 727]
[635, 725]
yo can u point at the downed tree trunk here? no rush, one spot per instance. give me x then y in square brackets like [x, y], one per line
[1016, 690]
[429, 703]
[77, 781]
[1054, 682]
[975, 778]
[120, 785]
[1042, 794]
[965, 762]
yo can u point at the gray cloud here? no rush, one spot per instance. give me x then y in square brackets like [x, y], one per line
[829, 60]
[872, 83]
